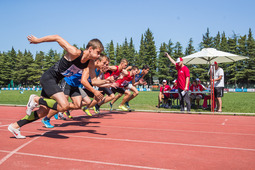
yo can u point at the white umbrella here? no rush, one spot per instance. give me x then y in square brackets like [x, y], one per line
[210, 55]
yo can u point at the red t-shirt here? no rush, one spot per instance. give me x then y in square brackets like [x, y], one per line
[166, 88]
[193, 88]
[183, 73]
[125, 81]
[199, 88]
[175, 95]
[115, 73]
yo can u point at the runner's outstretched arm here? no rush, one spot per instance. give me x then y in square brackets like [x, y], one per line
[72, 51]
[172, 61]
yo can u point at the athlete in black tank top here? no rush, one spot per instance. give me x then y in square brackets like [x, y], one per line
[73, 61]
[65, 68]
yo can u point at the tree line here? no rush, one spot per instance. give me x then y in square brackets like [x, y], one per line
[22, 68]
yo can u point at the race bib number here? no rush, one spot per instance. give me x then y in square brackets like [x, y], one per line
[124, 83]
[71, 71]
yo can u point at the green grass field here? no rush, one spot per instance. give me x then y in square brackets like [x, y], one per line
[232, 102]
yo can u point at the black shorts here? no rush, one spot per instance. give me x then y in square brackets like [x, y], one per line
[118, 90]
[218, 91]
[105, 91]
[89, 93]
[71, 91]
[49, 85]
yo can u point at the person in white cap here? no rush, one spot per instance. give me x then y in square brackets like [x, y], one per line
[182, 81]
[218, 86]
[164, 94]
[175, 88]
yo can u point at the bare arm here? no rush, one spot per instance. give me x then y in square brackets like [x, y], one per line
[129, 68]
[72, 51]
[172, 61]
[84, 80]
[219, 78]
[112, 68]
[124, 72]
[186, 84]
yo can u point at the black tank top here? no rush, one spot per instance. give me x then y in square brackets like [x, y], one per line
[65, 68]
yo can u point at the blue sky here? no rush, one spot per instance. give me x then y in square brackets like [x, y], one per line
[78, 21]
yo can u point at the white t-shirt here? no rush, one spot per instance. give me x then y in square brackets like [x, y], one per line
[218, 73]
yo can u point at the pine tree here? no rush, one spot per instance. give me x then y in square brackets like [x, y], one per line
[216, 41]
[125, 51]
[131, 53]
[230, 67]
[142, 54]
[170, 48]
[111, 52]
[150, 54]
[207, 40]
[118, 55]
[6, 69]
[163, 65]
[25, 71]
[194, 70]
[37, 68]
[250, 71]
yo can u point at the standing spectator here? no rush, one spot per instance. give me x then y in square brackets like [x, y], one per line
[218, 86]
[164, 94]
[182, 81]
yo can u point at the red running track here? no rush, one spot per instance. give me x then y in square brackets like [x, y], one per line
[129, 140]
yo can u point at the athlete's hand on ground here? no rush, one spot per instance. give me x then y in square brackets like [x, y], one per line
[98, 95]
[32, 39]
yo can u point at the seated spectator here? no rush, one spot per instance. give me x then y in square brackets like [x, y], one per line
[164, 95]
[193, 89]
[174, 88]
[207, 97]
[199, 87]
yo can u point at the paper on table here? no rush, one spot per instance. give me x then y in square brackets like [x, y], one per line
[183, 92]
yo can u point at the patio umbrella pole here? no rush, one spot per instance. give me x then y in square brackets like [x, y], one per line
[213, 87]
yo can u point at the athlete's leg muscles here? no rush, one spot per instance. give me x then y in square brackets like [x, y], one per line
[93, 103]
[86, 101]
[76, 104]
[62, 103]
[135, 93]
[116, 98]
[125, 98]
[107, 99]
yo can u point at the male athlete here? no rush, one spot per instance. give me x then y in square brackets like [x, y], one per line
[53, 97]
[138, 80]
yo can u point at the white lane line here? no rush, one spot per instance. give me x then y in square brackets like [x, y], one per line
[156, 142]
[166, 143]
[87, 161]
[16, 150]
[152, 129]
[3, 125]
[224, 122]
[176, 130]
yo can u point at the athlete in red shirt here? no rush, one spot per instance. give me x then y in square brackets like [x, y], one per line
[182, 81]
[125, 83]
